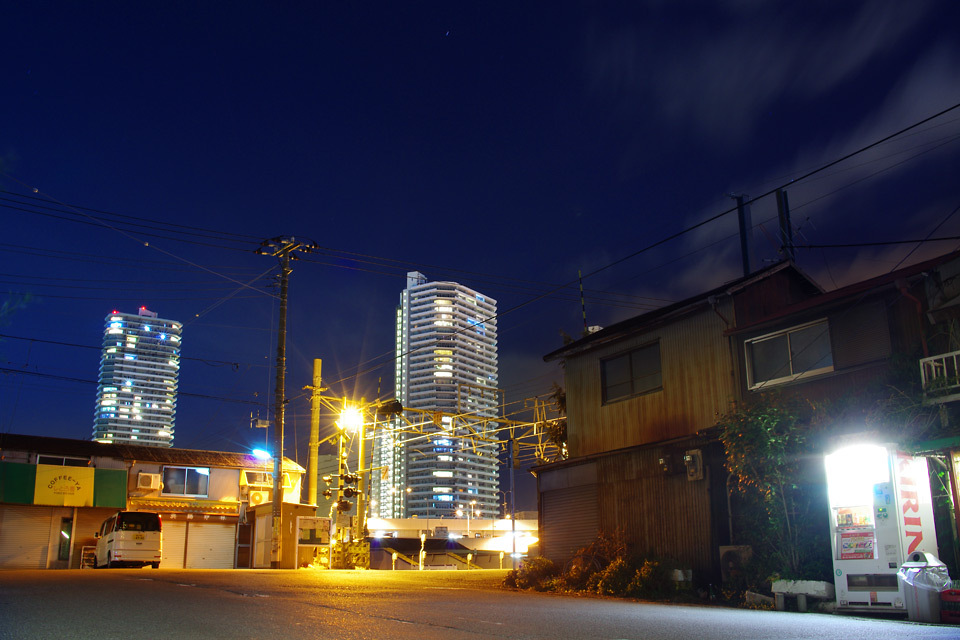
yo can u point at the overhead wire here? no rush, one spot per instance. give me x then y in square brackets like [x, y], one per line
[208, 361]
[130, 236]
[673, 236]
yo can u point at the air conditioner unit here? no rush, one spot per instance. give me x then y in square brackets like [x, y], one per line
[732, 560]
[258, 497]
[148, 481]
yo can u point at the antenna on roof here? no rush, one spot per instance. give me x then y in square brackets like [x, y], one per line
[786, 230]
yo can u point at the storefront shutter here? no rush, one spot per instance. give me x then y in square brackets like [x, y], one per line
[174, 535]
[210, 545]
[24, 536]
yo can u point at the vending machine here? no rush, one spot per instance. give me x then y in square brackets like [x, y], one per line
[880, 513]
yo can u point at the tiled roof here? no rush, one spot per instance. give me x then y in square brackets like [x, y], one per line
[163, 455]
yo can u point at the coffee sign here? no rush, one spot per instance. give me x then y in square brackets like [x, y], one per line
[64, 486]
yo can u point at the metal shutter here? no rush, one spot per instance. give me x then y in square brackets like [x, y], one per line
[174, 536]
[24, 537]
[211, 545]
[571, 520]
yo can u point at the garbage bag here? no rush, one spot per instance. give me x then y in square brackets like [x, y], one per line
[925, 572]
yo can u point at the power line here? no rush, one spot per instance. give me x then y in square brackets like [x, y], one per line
[879, 243]
[52, 376]
[153, 223]
[235, 365]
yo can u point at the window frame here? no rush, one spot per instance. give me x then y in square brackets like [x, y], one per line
[791, 376]
[634, 393]
[62, 461]
[286, 480]
[165, 491]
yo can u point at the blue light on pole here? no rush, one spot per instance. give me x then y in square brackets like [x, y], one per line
[260, 454]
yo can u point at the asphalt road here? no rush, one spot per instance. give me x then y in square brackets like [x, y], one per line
[141, 604]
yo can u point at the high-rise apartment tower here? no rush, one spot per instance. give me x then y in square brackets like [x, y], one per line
[139, 372]
[446, 345]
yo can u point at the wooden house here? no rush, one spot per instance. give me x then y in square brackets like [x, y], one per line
[644, 397]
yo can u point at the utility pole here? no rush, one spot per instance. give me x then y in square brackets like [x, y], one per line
[314, 444]
[282, 249]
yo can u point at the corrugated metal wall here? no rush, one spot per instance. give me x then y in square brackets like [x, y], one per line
[628, 494]
[662, 513]
[695, 355]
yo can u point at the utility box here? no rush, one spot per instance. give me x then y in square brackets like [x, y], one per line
[262, 516]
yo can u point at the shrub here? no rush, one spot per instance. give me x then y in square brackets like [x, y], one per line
[615, 579]
[652, 580]
[580, 572]
[534, 573]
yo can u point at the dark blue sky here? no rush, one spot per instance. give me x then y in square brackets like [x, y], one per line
[507, 147]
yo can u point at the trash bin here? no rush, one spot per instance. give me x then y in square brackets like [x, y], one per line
[922, 578]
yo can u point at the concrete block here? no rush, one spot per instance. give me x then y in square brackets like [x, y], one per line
[809, 588]
[758, 598]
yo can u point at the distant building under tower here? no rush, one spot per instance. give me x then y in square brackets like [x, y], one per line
[139, 373]
[446, 346]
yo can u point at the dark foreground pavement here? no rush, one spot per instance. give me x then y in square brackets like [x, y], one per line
[137, 604]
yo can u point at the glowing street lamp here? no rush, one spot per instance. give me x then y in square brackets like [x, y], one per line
[351, 419]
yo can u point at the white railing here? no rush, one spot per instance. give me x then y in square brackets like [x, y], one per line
[940, 376]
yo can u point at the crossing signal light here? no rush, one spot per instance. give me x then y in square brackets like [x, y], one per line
[389, 408]
[349, 478]
[327, 493]
[350, 492]
[344, 505]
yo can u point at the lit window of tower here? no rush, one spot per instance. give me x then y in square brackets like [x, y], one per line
[446, 346]
[139, 373]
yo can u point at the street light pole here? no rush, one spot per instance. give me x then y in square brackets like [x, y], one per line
[361, 482]
[314, 445]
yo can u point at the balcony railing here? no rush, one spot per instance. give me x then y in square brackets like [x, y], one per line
[940, 376]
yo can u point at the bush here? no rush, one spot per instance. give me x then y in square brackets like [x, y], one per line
[652, 580]
[615, 580]
[534, 573]
[581, 573]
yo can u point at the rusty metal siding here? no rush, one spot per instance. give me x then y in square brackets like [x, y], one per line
[697, 386]
[663, 514]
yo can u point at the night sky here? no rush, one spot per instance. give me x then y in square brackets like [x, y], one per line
[147, 148]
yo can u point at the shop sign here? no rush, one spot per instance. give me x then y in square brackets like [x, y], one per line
[64, 486]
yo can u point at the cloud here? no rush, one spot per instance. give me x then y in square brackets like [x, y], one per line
[719, 74]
